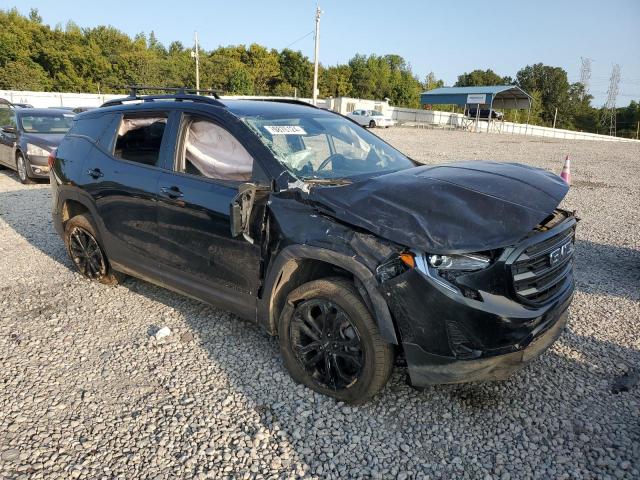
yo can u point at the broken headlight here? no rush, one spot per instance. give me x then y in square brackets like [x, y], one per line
[445, 269]
[395, 266]
[464, 262]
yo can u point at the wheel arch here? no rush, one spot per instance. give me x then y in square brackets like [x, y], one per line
[298, 264]
[71, 202]
[70, 208]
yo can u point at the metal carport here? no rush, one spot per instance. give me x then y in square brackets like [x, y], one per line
[498, 96]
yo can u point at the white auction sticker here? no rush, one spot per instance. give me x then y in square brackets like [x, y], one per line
[285, 130]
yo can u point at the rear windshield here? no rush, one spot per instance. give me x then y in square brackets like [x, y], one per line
[46, 123]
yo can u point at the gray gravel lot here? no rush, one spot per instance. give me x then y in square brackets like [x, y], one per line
[87, 392]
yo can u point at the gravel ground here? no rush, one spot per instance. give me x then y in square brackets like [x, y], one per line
[86, 391]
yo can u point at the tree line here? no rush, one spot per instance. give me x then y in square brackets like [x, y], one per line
[34, 56]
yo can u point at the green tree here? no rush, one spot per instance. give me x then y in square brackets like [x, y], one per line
[553, 86]
[627, 119]
[296, 72]
[431, 82]
[23, 75]
[477, 78]
[240, 83]
[335, 81]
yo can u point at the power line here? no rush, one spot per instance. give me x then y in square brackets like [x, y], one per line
[301, 38]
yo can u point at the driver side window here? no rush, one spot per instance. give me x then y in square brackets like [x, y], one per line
[210, 151]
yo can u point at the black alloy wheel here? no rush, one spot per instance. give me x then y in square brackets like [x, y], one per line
[86, 253]
[330, 342]
[326, 343]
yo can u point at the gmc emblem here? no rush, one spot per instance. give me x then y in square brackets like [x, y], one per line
[559, 254]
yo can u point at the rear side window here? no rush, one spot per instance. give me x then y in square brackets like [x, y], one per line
[99, 129]
[139, 138]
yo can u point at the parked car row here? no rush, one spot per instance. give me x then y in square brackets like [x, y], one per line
[28, 135]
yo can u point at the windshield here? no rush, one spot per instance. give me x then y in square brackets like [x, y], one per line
[57, 123]
[321, 146]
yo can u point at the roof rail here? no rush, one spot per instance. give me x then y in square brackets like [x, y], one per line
[181, 94]
[281, 100]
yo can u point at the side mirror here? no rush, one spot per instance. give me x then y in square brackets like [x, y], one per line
[240, 211]
[9, 129]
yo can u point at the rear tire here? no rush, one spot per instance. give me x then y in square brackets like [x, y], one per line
[86, 253]
[372, 124]
[23, 169]
[330, 342]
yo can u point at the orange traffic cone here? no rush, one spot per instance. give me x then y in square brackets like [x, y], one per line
[566, 171]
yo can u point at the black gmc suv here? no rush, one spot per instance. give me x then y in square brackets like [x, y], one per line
[300, 220]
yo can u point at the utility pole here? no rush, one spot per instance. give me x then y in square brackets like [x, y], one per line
[609, 108]
[554, 118]
[315, 59]
[195, 53]
[585, 75]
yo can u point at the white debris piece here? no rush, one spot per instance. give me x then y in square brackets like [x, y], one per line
[163, 332]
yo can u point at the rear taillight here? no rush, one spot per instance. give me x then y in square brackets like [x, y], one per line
[52, 157]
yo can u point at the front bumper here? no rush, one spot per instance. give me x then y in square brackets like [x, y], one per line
[427, 369]
[449, 338]
[38, 166]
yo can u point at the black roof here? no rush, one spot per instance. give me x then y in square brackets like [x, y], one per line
[270, 107]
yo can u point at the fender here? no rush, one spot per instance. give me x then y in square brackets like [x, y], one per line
[292, 253]
[65, 193]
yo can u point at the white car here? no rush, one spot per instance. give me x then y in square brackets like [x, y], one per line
[371, 118]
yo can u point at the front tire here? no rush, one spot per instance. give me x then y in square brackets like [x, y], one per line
[372, 124]
[330, 342]
[22, 168]
[86, 253]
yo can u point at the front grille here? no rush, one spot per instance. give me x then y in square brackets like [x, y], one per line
[543, 269]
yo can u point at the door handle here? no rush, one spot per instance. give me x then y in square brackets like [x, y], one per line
[172, 192]
[95, 173]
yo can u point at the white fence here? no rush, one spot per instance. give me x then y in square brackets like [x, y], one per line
[55, 99]
[427, 117]
[404, 116]
[66, 99]
[435, 118]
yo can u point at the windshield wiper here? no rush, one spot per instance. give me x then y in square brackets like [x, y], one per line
[328, 181]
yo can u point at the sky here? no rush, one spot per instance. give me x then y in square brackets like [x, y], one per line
[448, 38]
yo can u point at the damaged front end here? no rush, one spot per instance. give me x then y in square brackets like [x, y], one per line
[482, 316]
[485, 279]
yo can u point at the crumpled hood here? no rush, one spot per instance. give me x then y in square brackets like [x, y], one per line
[455, 208]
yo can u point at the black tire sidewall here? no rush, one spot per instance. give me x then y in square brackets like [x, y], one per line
[372, 124]
[84, 222]
[348, 299]
[26, 178]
